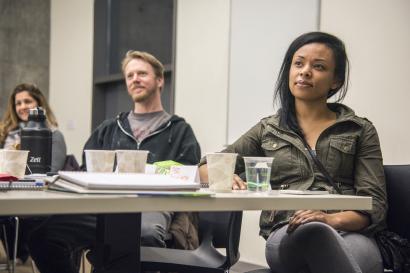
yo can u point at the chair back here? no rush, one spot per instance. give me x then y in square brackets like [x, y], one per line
[398, 196]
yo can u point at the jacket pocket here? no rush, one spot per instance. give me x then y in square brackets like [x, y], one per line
[341, 156]
[285, 162]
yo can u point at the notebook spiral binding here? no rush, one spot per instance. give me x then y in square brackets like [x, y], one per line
[20, 185]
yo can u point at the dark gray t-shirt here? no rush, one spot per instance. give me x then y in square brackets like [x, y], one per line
[142, 125]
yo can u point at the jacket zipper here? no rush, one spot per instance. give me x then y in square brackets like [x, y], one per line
[150, 135]
[272, 216]
[277, 132]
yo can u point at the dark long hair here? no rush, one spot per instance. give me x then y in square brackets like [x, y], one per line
[282, 91]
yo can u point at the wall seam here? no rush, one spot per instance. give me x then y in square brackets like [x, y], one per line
[319, 14]
[228, 74]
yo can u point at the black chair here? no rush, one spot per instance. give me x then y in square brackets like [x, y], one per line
[398, 196]
[216, 230]
[10, 262]
[71, 164]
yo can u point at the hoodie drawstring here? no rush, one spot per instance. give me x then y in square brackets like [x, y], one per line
[170, 135]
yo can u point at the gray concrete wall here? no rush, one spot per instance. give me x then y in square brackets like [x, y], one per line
[24, 45]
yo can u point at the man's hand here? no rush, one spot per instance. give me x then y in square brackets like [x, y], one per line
[238, 183]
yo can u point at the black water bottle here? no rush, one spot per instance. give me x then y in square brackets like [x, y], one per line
[36, 137]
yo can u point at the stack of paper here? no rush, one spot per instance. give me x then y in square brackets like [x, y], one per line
[86, 182]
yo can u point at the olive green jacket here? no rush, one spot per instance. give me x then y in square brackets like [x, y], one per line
[349, 150]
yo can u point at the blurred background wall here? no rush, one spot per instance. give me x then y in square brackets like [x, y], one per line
[24, 45]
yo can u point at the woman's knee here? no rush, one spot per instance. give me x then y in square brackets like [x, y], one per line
[312, 232]
[284, 246]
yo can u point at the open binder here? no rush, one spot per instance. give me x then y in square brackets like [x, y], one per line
[86, 182]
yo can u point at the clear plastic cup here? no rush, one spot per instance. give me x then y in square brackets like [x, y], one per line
[131, 161]
[221, 167]
[258, 170]
[13, 162]
[99, 160]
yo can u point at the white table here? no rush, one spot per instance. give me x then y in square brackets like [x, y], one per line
[49, 202]
[115, 210]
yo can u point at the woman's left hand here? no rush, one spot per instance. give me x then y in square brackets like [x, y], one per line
[305, 216]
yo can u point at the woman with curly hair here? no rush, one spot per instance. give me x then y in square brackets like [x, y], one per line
[24, 97]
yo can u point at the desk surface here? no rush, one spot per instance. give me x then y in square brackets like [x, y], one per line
[48, 202]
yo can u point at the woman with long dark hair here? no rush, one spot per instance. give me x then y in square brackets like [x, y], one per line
[26, 96]
[317, 145]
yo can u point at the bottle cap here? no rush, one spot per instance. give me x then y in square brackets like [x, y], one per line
[37, 111]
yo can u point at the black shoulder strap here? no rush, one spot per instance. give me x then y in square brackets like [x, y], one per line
[322, 168]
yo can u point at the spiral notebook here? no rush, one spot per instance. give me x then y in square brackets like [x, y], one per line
[25, 185]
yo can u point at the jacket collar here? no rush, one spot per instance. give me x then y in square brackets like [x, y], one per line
[342, 111]
[343, 114]
[124, 125]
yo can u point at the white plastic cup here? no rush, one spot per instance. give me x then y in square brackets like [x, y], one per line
[99, 160]
[13, 162]
[131, 161]
[221, 167]
[258, 171]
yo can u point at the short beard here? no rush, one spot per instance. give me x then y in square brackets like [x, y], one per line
[144, 96]
[141, 98]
